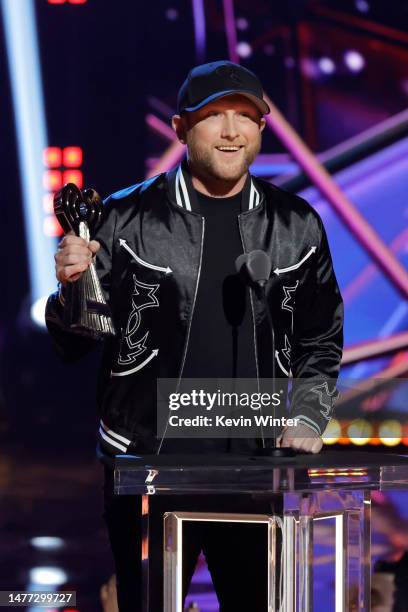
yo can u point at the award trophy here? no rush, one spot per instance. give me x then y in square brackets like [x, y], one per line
[86, 310]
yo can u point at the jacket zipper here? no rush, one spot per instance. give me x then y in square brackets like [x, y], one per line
[254, 326]
[252, 307]
[188, 331]
[192, 309]
[141, 261]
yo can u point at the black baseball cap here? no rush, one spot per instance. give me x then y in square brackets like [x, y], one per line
[209, 82]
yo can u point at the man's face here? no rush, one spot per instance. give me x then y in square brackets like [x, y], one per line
[223, 138]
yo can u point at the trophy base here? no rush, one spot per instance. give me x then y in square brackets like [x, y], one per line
[86, 316]
[90, 332]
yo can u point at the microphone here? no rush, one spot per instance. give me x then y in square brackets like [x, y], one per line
[240, 262]
[259, 267]
[254, 267]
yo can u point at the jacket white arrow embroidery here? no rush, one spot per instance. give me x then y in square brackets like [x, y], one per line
[137, 347]
[142, 262]
[132, 347]
[280, 364]
[153, 354]
[296, 265]
[286, 352]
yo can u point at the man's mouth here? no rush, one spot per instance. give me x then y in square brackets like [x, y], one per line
[229, 150]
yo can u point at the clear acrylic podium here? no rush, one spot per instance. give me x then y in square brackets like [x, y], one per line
[304, 491]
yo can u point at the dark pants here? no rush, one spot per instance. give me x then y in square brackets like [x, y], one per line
[236, 554]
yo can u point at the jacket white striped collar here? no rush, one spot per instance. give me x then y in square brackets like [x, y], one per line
[186, 198]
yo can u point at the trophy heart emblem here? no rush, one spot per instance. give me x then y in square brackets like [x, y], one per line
[86, 311]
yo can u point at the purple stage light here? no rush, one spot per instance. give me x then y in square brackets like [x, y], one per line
[351, 217]
[199, 29]
[362, 6]
[230, 31]
[242, 23]
[354, 60]
[244, 49]
[172, 14]
[269, 49]
[326, 65]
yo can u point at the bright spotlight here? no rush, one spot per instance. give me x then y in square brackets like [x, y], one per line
[244, 49]
[47, 576]
[31, 132]
[47, 542]
[242, 23]
[354, 61]
[362, 6]
[37, 311]
[326, 65]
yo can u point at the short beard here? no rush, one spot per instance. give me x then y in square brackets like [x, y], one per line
[203, 163]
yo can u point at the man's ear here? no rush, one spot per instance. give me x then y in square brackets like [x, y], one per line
[262, 124]
[178, 125]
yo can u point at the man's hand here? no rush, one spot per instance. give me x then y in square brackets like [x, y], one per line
[73, 257]
[300, 438]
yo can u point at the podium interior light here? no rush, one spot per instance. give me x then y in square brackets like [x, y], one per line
[390, 432]
[360, 432]
[332, 432]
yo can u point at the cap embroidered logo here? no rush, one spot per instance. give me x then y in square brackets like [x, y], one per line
[230, 72]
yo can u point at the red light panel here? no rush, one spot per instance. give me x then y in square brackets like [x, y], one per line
[52, 180]
[77, 1]
[56, 1]
[51, 226]
[72, 157]
[73, 176]
[48, 203]
[52, 157]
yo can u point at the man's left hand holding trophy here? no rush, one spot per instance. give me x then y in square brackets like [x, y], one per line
[85, 309]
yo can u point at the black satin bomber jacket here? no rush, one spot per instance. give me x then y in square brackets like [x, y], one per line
[149, 266]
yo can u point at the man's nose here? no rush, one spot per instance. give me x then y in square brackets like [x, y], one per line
[229, 128]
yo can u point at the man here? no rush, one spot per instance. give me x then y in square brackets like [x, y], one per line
[165, 257]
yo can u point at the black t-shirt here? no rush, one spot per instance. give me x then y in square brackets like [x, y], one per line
[221, 343]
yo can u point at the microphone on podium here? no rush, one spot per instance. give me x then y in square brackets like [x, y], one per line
[257, 265]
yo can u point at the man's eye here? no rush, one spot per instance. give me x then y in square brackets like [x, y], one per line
[213, 114]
